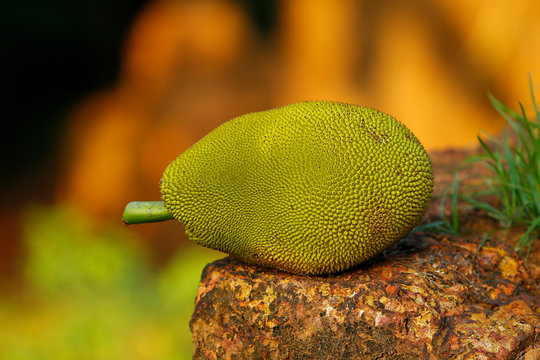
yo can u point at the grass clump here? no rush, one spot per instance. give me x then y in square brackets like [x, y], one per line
[514, 163]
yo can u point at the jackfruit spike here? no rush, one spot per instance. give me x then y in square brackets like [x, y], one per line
[140, 212]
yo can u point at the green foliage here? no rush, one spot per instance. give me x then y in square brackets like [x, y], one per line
[91, 294]
[514, 162]
[65, 255]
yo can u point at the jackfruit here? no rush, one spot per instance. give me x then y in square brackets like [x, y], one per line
[309, 188]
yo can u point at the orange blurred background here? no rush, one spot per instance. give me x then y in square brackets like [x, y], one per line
[99, 96]
[187, 66]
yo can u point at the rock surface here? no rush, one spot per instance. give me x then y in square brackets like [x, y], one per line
[427, 297]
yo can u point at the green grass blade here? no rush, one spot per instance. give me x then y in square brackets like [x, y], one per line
[449, 227]
[518, 187]
[424, 227]
[487, 149]
[455, 220]
[512, 177]
[531, 88]
[491, 210]
[535, 193]
[529, 141]
[495, 162]
[476, 158]
[485, 238]
[502, 109]
[482, 193]
[441, 207]
[526, 238]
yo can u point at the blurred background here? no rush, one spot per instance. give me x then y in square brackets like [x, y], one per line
[99, 96]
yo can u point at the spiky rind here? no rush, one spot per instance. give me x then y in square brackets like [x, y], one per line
[311, 188]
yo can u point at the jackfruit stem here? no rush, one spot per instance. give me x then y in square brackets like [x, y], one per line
[140, 212]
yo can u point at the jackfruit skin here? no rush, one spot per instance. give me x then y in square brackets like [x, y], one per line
[309, 188]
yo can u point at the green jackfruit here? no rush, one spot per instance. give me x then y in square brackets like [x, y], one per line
[309, 188]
